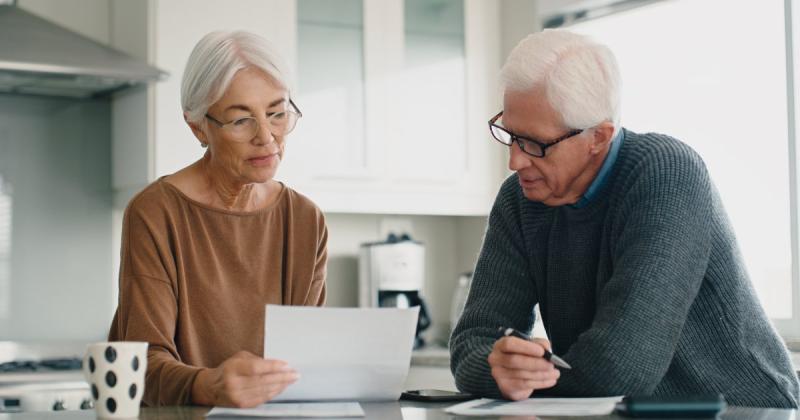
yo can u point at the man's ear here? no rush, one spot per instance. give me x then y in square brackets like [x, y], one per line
[196, 130]
[602, 135]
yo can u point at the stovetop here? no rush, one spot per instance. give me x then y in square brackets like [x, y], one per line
[42, 377]
[44, 365]
[40, 364]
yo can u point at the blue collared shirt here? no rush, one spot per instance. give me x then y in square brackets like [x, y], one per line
[602, 175]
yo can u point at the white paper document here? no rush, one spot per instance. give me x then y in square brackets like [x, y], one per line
[537, 407]
[350, 409]
[344, 354]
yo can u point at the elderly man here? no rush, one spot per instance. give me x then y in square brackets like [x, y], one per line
[623, 242]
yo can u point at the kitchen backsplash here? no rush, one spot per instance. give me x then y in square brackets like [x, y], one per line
[56, 280]
[451, 248]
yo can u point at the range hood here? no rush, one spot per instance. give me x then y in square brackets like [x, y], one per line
[38, 57]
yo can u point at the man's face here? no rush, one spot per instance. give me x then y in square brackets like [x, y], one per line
[551, 179]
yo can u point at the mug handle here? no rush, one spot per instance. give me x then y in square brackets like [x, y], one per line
[85, 366]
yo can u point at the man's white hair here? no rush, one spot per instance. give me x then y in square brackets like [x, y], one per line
[215, 60]
[579, 76]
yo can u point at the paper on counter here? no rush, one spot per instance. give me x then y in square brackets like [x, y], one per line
[537, 407]
[355, 354]
[350, 409]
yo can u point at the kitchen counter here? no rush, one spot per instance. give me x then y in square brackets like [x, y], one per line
[431, 356]
[384, 411]
[436, 356]
[430, 369]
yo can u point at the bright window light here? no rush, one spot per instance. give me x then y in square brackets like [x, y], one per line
[712, 73]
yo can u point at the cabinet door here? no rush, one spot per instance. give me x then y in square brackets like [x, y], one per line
[329, 143]
[430, 102]
[395, 95]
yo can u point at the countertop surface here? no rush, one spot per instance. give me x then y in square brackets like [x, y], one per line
[384, 411]
[437, 356]
[431, 356]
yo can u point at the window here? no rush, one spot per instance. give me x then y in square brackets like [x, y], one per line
[712, 73]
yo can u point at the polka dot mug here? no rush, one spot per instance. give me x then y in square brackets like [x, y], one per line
[115, 372]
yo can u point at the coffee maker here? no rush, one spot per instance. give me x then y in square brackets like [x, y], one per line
[391, 274]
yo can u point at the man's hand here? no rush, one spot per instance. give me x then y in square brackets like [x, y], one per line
[244, 380]
[519, 367]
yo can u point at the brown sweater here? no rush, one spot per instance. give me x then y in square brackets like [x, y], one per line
[194, 280]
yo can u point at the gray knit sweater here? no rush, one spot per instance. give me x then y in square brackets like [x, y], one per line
[643, 291]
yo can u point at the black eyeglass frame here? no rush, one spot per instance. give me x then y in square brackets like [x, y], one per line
[519, 139]
[291, 103]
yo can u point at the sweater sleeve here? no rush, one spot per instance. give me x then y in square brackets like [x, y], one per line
[501, 294]
[147, 311]
[317, 291]
[663, 244]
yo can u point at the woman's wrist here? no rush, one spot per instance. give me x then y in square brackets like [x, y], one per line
[200, 393]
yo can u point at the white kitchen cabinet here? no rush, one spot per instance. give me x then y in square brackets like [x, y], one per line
[395, 96]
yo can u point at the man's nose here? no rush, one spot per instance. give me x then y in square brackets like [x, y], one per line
[517, 159]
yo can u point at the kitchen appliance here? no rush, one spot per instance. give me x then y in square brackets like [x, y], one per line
[391, 274]
[38, 57]
[459, 298]
[42, 377]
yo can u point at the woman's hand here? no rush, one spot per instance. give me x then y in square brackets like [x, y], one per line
[519, 367]
[244, 380]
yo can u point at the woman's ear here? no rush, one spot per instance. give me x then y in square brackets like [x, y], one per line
[602, 135]
[196, 130]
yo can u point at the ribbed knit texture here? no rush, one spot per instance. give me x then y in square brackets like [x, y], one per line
[643, 291]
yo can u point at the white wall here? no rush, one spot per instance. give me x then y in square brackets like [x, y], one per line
[55, 175]
[451, 248]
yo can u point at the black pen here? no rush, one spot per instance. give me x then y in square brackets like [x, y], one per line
[508, 332]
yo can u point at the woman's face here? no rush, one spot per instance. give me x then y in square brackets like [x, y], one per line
[252, 93]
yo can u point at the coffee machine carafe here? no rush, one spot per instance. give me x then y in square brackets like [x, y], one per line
[391, 274]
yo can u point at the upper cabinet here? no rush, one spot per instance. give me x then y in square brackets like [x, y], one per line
[395, 96]
[330, 141]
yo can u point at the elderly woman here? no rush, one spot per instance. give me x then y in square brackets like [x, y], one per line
[204, 249]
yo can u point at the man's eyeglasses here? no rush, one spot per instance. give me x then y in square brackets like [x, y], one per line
[528, 145]
[244, 129]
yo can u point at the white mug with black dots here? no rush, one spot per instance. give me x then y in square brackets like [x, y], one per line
[115, 372]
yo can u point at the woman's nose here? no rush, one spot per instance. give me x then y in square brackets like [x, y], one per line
[264, 134]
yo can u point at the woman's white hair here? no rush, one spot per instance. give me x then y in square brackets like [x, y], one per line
[579, 76]
[215, 60]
